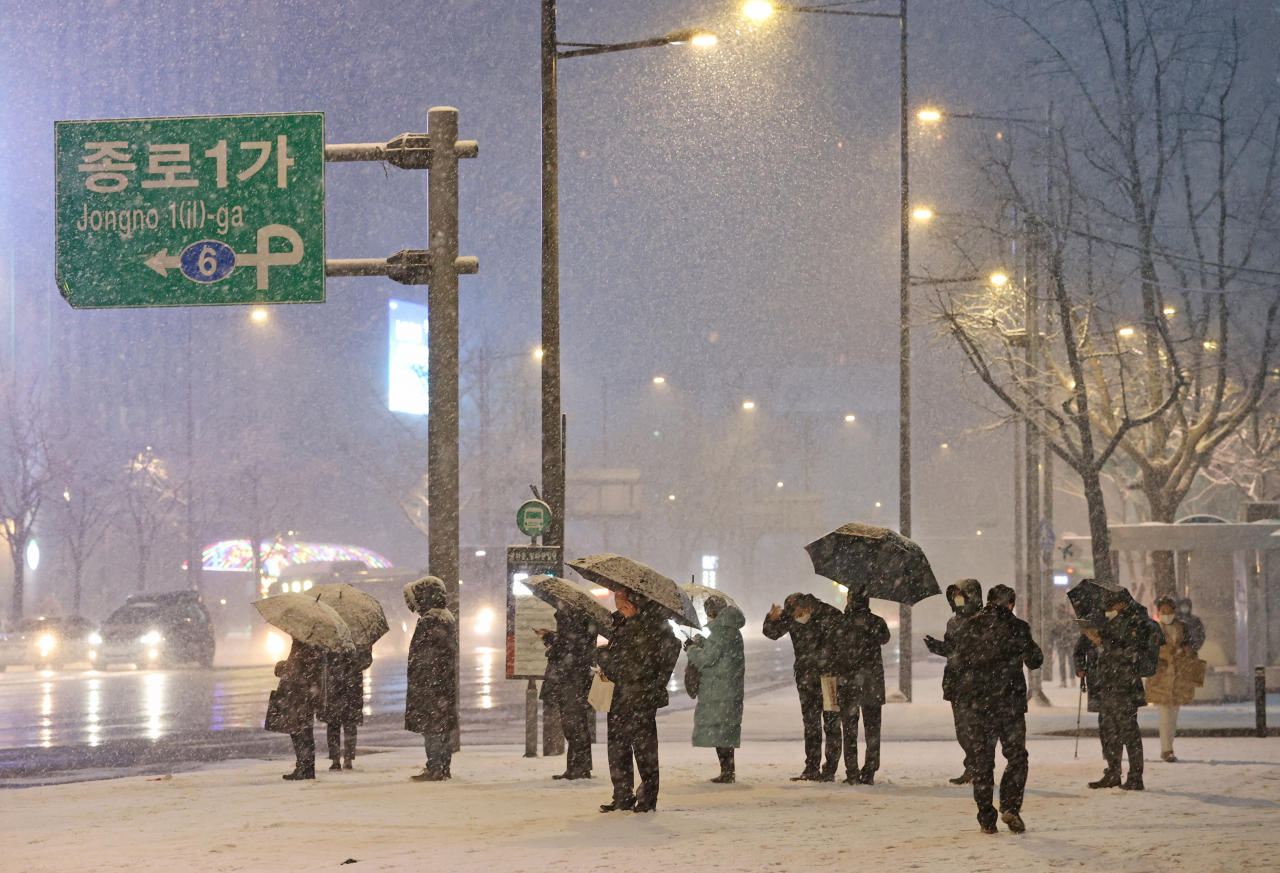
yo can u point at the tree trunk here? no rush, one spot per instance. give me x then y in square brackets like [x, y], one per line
[1163, 567]
[1100, 536]
[75, 588]
[19, 575]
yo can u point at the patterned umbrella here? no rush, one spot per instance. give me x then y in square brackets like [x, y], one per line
[615, 572]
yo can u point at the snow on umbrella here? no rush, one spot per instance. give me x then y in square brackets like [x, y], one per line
[307, 620]
[1089, 599]
[563, 594]
[359, 609]
[890, 565]
[616, 572]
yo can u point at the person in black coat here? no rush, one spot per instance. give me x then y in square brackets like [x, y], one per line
[1195, 627]
[990, 650]
[300, 689]
[638, 659]
[859, 670]
[965, 598]
[571, 652]
[343, 708]
[811, 624]
[1115, 683]
[431, 697]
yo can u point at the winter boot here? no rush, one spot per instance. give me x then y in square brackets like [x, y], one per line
[1168, 757]
[303, 770]
[964, 778]
[806, 776]
[867, 777]
[427, 776]
[1133, 783]
[1108, 780]
[1014, 822]
[336, 765]
[624, 805]
[346, 764]
[726, 777]
[825, 777]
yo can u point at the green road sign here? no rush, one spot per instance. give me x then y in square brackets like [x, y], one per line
[190, 211]
[533, 518]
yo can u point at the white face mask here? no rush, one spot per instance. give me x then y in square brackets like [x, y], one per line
[1112, 613]
[1167, 618]
[801, 619]
[959, 601]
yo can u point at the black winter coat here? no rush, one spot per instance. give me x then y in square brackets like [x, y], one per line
[989, 653]
[301, 686]
[1124, 641]
[971, 590]
[343, 701]
[431, 699]
[571, 652]
[639, 659]
[855, 654]
[809, 640]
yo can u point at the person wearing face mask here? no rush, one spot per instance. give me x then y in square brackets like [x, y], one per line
[965, 598]
[859, 670]
[1125, 643]
[1193, 624]
[810, 622]
[1173, 684]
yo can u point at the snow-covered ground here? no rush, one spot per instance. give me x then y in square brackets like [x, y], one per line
[1218, 809]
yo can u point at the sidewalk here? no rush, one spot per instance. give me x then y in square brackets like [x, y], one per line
[1217, 810]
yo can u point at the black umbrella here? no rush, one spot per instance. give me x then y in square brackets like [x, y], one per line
[1089, 600]
[890, 565]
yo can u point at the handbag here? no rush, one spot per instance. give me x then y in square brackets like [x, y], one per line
[692, 679]
[1195, 669]
[830, 699]
[277, 720]
[601, 694]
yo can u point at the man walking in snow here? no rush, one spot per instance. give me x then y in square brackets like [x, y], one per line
[965, 598]
[989, 653]
[812, 625]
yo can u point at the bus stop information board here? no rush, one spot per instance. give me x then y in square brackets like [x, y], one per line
[190, 211]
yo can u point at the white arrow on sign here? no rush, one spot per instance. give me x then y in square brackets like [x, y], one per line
[162, 261]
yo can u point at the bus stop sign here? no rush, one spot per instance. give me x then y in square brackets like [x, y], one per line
[190, 211]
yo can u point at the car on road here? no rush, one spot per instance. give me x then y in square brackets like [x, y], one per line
[158, 630]
[48, 642]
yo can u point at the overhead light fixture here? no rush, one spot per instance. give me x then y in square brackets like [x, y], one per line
[928, 115]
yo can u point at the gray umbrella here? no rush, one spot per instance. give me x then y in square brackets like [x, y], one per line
[359, 609]
[307, 620]
[891, 566]
[616, 572]
[563, 594]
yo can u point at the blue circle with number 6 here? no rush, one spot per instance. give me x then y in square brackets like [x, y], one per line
[207, 261]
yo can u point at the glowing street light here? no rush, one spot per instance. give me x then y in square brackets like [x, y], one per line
[929, 115]
[922, 214]
[259, 315]
[998, 279]
[758, 10]
[850, 418]
[538, 353]
[1169, 310]
[659, 380]
[748, 404]
[1126, 331]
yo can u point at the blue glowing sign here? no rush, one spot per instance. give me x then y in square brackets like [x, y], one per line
[407, 358]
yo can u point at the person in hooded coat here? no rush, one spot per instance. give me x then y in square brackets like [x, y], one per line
[639, 659]
[431, 698]
[859, 670]
[297, 696]
[812, 625]
[1062, 637]
[343, 708]
[717, 720]
[1171, 687]
[965, 598]
[990, 651]
[1195, 627]
[571, 653]
[1115, 680]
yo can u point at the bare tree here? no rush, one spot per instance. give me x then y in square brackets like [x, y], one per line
[150, 504]
[82, 508]
[26, 470]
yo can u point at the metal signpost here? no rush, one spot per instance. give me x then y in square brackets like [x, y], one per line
[190, 211]
[526, 656]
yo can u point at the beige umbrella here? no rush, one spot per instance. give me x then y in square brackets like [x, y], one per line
[307, 620]
[562, 594]
[359, 609]
[615, 572]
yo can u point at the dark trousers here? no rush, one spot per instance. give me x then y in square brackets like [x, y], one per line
[439, 748]
[333, 731]
[634, 734]
[984, 729]
[1118, 731]
[576, 716]
[304, 745]
[960, 715]
[726, 760]
[871, 725]
[816, 723]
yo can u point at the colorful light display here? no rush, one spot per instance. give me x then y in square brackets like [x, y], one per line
[235, 556]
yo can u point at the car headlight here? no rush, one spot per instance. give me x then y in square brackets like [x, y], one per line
[150, 638]
[95, 639]
[47, 642]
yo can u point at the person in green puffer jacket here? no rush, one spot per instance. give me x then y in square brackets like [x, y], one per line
[717, 721]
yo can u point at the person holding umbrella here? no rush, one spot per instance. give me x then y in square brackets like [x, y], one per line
[717, 720]
[965, 598]
[431, 697]
[859, 670]
[990, 651]
[813, 626]
[343, 709]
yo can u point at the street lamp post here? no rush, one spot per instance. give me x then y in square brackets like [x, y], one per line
[759, 10]
[553, 447]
